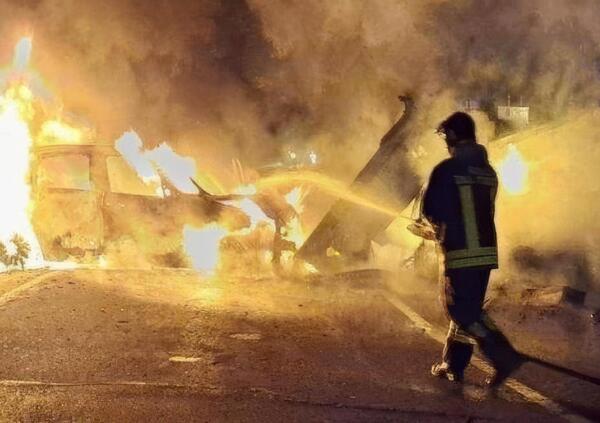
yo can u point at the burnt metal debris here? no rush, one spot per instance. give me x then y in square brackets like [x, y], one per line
[348, 228]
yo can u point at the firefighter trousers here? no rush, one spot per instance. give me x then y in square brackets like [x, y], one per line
[464, 295]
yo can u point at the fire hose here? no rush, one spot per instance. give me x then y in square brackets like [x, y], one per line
[425, 230]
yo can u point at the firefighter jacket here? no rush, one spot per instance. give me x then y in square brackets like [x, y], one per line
[459, 202]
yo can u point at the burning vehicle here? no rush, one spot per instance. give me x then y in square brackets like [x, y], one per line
[124, 204]
[88, 201]
[97, 202]
[81, 201]
[212, 208]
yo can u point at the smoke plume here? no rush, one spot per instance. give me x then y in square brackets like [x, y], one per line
[247, 78]
[223, 80]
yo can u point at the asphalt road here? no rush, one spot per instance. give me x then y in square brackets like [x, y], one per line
[98, 345]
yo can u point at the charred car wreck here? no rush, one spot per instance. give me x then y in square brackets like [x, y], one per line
[88, 200]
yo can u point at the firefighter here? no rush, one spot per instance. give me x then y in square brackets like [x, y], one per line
[458, 204]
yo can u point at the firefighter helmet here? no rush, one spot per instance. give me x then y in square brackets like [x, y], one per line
[462, 125]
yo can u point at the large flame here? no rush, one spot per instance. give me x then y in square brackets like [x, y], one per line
[514, 172]
[294, 231]
[203, 245]
[55, 131]
[295, 198]
[148, 163]
[15, 145]
[253, 211]
[17, 114]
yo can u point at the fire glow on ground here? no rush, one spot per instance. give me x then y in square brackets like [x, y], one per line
[209, 208]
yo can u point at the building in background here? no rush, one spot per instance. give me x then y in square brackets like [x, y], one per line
[470, 105]
[516, 117]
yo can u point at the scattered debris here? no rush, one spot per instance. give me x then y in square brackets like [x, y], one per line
[552, 296]
[181, 359]
[349, 227]
[246, 336]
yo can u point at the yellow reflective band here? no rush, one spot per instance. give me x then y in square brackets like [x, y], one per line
[463, 338]
[464, 180]
[472, 262]
[473, 252]
[456, 334]
[486, 180]
[469, 218]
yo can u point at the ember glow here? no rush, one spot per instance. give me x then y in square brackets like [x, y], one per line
[514, 172]
[294, 229]
[57, 132]
[203, 246]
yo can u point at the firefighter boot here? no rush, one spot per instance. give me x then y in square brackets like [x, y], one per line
[503, 372]
[443, 370]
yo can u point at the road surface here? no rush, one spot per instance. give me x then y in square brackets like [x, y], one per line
[167, 345]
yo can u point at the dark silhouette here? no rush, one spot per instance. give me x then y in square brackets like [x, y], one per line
[459, 205]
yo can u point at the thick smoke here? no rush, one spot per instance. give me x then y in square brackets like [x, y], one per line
[556, 219]
[246, 78]
[544, 52]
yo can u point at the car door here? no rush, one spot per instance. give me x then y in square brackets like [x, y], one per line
[66, 214]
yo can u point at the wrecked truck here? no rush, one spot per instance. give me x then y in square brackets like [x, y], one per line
[88, 202]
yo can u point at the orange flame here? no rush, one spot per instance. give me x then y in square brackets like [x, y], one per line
[514, 172]
[202, 245]
[15, 145]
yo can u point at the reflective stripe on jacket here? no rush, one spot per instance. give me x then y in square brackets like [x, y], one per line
[460, 199]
